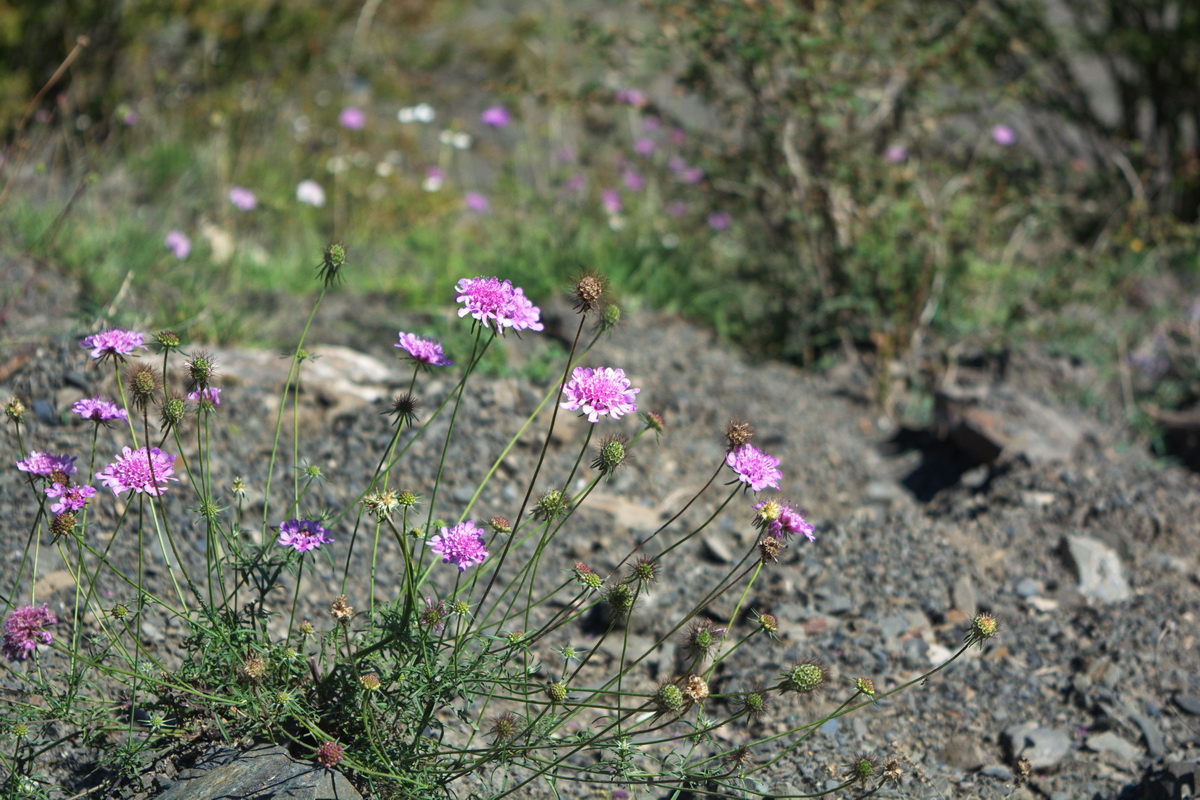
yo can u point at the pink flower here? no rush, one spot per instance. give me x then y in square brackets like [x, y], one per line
[98, 409]
[611, 200]
[310, 193]
[113, 343]
[243, 198]
[209, 394]
[896, 154]
[575, 183]
[45, 464]
[644, 147]
[139, 470]
[677, 209]
[1004, 135]
[476, 202]
[434, 178]
[781, 520]
[461, 545]
[754, 467]
[719, 220]
[24, 631]
[178, 243]
[329, 754]
[303, 535]
[633, 97]
[352, 118]
[70, 498]
[693, 175]
[491, 299]
[651, 123]
[423, 351]
[496, 116]
[634, 182]
[678, 137]
[676, 164]
[599, 392]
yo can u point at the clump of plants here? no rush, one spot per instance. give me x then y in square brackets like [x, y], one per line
[466, 679]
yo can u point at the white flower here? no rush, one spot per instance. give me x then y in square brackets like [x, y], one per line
[310, 193]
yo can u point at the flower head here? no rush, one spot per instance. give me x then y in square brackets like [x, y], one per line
[303, 534]
[599, 392]
[45, 464]
[142, 470]
[113, 343]
[496, 117]
[719, 220]
[178, 243]
[644, 146]
[895, 154]
[781, 520]
[98, 409]
[210, 395]
[310, 193]
[423, 351]
[329, 754]
[754, 467]
[461, 545]
[242, 198]
[1004, 135]
[24, 631]
[491, 299]
[70, 498]
[352, 118]
[476, 202]
[611, 200]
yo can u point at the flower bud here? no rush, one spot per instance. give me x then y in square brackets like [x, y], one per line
[332, 261]
[610, 456]
[557, 692]
[805, 678]
[15, 410]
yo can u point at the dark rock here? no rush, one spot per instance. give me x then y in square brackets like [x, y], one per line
[263, 773]
[1189, 703]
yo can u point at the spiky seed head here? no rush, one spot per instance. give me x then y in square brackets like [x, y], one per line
[332, 261]
[171, 412]
[167, 340]
[407, 499]
[737, 433]
[504, 726]
[144, 381]
[500, 526]
[654, 422]
[755, 703]
[668, 699]
[19, 730]
[567, 651]
[551, 505]
[404, 408]
[283, 697]
[589, 291]
[805, 678]
[620, 599]
[14, 409]
[253, 669]
[460, 607]
[119, 611]
[557, 692]
[645, 570]
[63, 525]
[865, 686]
[862, 768]
[702, 637]
[695, 688]
[611, 455]
[739, 756]
[769, 548]
[983, 627]
[201, 369]
[341, 610]
[610, 317]
[768, 623]
[329, 754]
[306, 628]
[369, 681]
[892, 771]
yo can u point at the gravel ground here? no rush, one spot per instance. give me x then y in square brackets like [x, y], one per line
[1096, 683]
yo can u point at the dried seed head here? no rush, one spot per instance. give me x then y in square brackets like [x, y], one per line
[737, 433]
[805, 678]
[63, 525]
[892, 771]
[201, 369]
[171, 412]
[588, 292]
[620, 599]
[768, 549]
[404, 408]
[341, 610]
[551, 505]
[144, 381]
[739, 756]
[695, 688]
[253, 669]
[167, 340]
[645, 570]
[862, 768]
[382, 504]
[668, 699]
[14, 409]
[238, 486]
[612, 454]
[329, 754]
[332, 261]
[505, 726]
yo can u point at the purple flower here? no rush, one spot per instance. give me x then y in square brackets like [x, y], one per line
[599, 392]
[754, 467]
[208, 394]
[651, 123]
[633, 97]
[476, 202]
[434, 178]
[113, 343]
[719, 220]
[243, 198]
[461, 545]
[644, 146]
[677, 209]
[98, 409]
[499, 301]
[496, 116]
[693, 175]
[676, 164]
[139, 470]
[611, 200]
[24, 631]
[303, 535]
[1004, 135]
[70, 498]
[781, 520]
[130, 119]
[678, 137]
[423, 351]
[895, 154]
[310, 193]
[45, 464]
[434, 614]
[575, 183]
[178, 243]
[634, 182]
[352, 118]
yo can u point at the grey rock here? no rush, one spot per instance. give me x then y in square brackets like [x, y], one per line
[1042, 747]
[262, 773]
[834, 602]
[964, 753]
[998, 771]
[1027, 588]
[1098, 568]
[716, 550]
[1150, 733]
[1111, 742]
[964, 595]
[1189, 703]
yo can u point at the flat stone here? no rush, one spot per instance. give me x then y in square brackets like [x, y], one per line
[262, 773]
[1189, 703]
[1111, 742]
[1098, 568]
[1042, 747]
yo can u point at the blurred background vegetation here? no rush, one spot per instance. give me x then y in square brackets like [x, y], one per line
[814, 180]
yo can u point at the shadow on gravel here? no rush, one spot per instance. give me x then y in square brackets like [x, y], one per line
[942, 465]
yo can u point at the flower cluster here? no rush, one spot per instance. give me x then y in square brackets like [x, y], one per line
[423, 351]
[781, 520]
[210, 395]
[113, 343]
[599, 392]
[754, 467]
[142, 470]
[493, 300]
[99, 410]
[462, 545]
[44, 464]
[70, 498]
[24, 631]
[303, 534]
